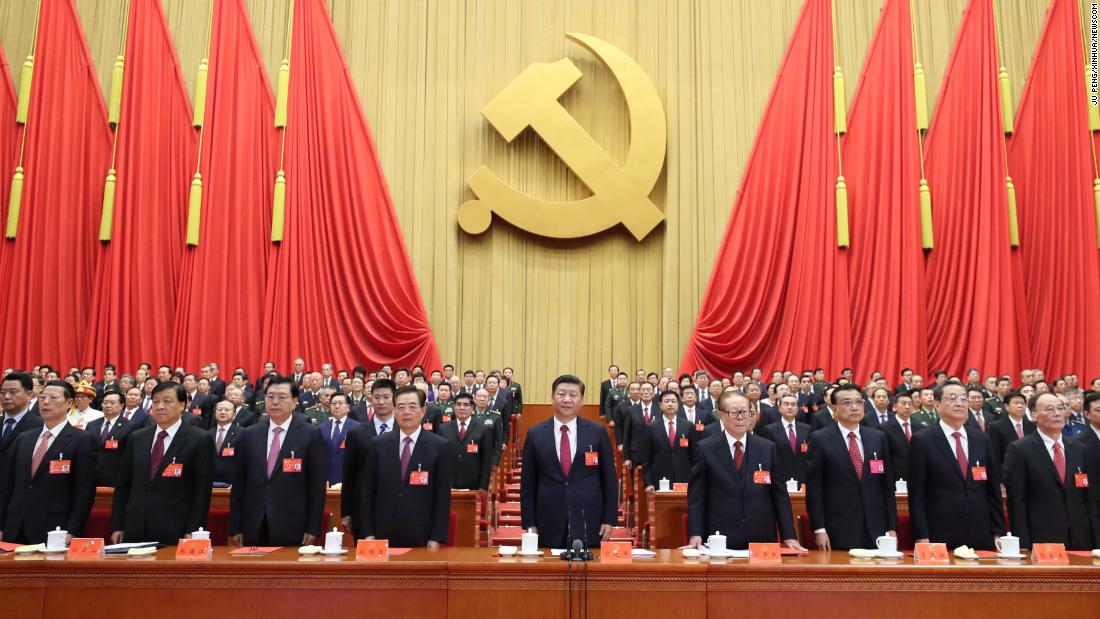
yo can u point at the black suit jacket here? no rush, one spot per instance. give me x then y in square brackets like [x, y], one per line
[139, 418]
[31, 505]
[396, 510]
[808, 404]
[158, 508]
[871, 420]
[470, 470]
[335, 448]
[576, 505]
[226, 458]
[946, 507]
[766, 415]
[821, 419]
[620, 416]
[358, 448]
[899, 446]
[986, 415]
[853, 510]
[217, 387]
[1002, 433]
[29, 423]
[722, 498]
[111, 447]
[605, 388]
[658, 459]
[789, 464]
[1043, 508]
[291, 503]
[633, 422]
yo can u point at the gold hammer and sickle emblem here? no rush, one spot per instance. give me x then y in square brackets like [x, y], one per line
[620, 193]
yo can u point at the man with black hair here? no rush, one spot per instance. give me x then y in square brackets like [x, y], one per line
[1011, 427]
[664, 449]
[358, 447]
[471, 445]
[15, 395]
[515, 390]
[111, 431]
[568, 487]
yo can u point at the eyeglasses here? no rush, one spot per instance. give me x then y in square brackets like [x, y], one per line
[277, 397]
[739, 414]
[1055, 409]
[951, 399]
[851, 403]
[51, 396]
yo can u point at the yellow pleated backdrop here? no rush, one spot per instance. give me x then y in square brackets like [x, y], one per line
[423, 70]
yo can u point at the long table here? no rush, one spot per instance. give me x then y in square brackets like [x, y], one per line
[466, 582]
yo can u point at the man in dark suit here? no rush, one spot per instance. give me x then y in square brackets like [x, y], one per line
[765, 413]
[664, 448]
[49, 479]
[165, 476]
[808, 400]
[333, 432]
[1090, 438]
[500, 401]
[1047, 481]
[605, 389]
[978, 415]
[791, 438]
[471, 445]
[442, 410]
[1011, 427]
[111, 432]
[825, 415]
[15, 396]
[899, 432]
[299, 373]
[849, 485]
[133, 411]
[226, 434]
[358, 448]
[735, 488]
[877, 409]
[278, 497]
[636, 419]
[955, 482]
[621, 413]
[217, 385]
[568, 487]
[407, 481]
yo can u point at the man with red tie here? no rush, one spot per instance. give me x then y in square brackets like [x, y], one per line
[664, 448]
[849, 485]
[568, 488]
[899, 432]
[1011, 427]
[790, 437]
[734, 488]
[1047, 479]
[638, 417]
[955, 484]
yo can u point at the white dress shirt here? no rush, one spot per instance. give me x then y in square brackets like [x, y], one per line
[690, 414]
[285, 425]
[378, 424]
[572, 425]
[731, 441]
[412, 446]
[948, 431]
[1049, 444]
[859, 439]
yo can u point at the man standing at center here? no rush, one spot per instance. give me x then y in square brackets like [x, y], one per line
[568, 488]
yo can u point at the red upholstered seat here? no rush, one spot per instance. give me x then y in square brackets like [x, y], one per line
[452, 529]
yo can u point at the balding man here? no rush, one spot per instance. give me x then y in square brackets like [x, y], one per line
[1047, 479]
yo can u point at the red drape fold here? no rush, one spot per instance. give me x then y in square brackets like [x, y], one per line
[221, 303]
[882, 168]
[778, 294]
[974, 288]
[134, 299]
[51, 262]
[9, 130]
[341, 286]
[1050, 158]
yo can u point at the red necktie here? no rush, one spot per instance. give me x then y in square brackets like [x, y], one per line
[793, 439]
[462, 431]
[959, 454]
[406, 455]
[273, 451]
[738, 455]
[853, 453]
[43, 445]
[646, 411]
[905, 424]
[564, 451]
[158, 454]
[1060, 462]
[672, 434]
[1019, 431]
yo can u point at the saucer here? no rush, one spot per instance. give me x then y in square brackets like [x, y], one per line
[882, 554]
[537, 553]
[1006, 556]
[332, 553]
[724, 554]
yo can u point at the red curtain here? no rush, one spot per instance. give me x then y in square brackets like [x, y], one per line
[778, 295]
[974, 289]
[9, 130]
[134, 299]
[221, 302]
[1050, 158]
[340, 286]
[44, 310]
[882, 168]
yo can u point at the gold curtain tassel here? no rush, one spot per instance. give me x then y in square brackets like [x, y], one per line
[1013, 226]
[15, 199]
[920, 91]
[926, 238]
[840, 108]
[107, 218]
[115, 107]
[278, 213]
[841, 212]
[1006, 100]
[25, 79]
[194, 210]
[281, 93]
[200, 95]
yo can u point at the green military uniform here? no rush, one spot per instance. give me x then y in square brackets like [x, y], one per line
[317, 415]
[969, 386]
[493, 426]
[614, 398]
[820, 386]
[516, 391]
[927, 416]
[995, 405]
[439, 413]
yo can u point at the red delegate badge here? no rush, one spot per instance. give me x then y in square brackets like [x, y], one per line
[471, 448]
[110, 444]
[174, 469]
[877, 467]
[591, 458]
[761, 477]
[227, 452]
[61, 467]
[683, 441]
[292, 465]
[418, 478]
[978, 473]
